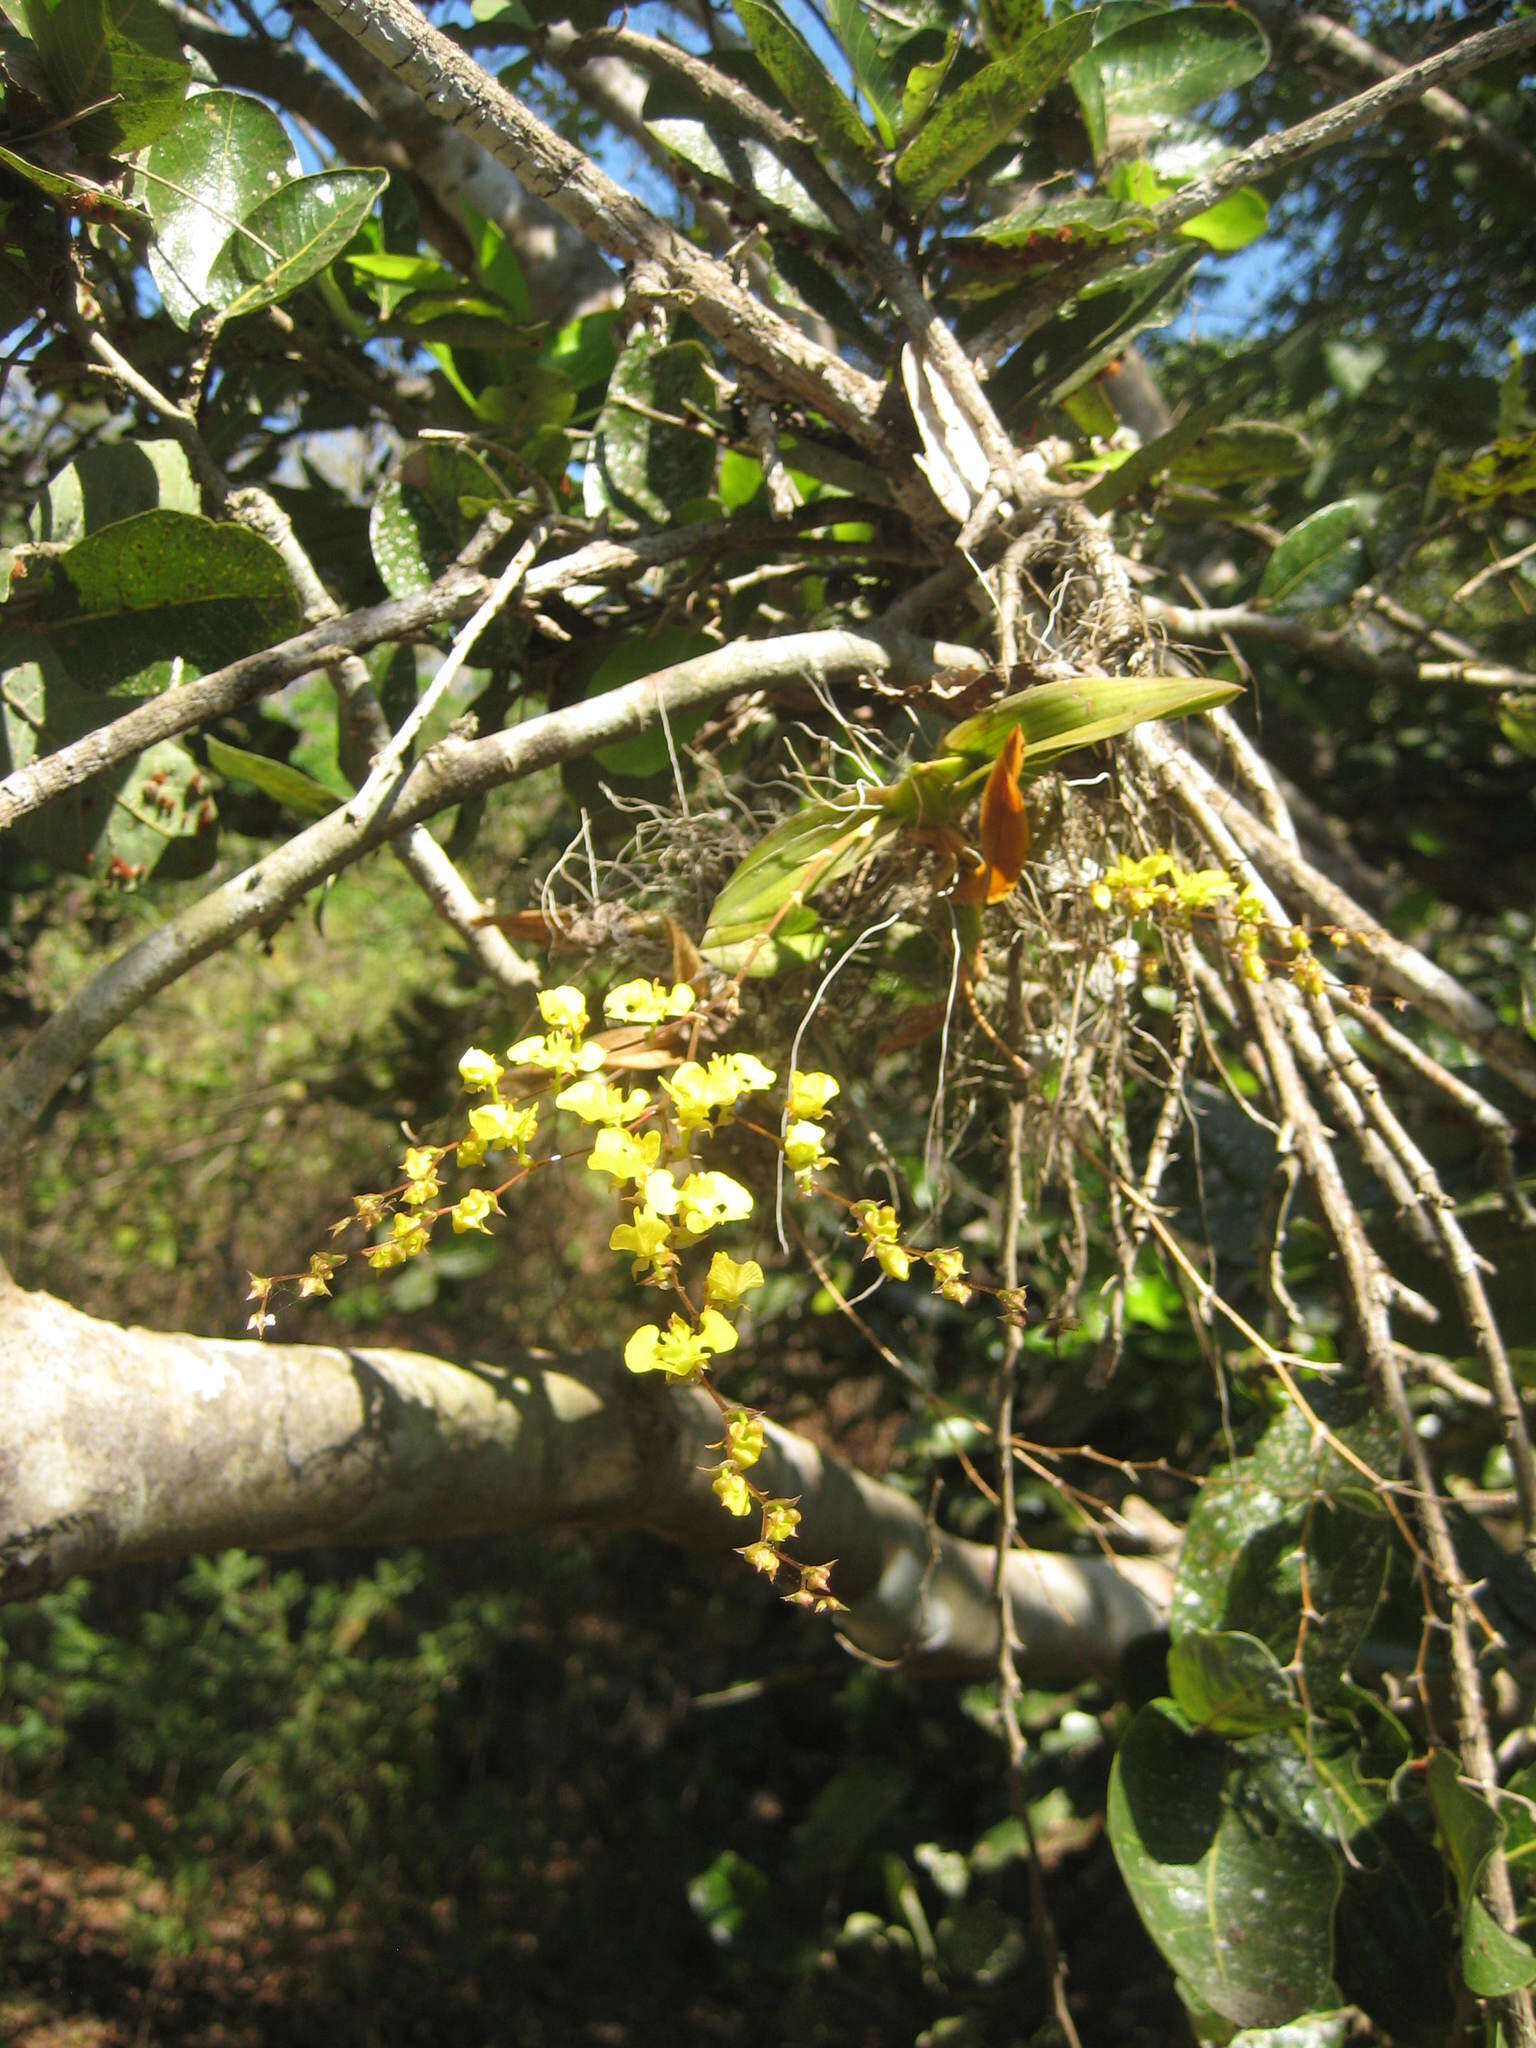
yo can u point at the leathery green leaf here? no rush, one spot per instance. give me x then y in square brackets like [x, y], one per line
[1321, 560]
[1240, 1902]
[290, 238]
[977, 116]
[1230, 1683]
[799, 74]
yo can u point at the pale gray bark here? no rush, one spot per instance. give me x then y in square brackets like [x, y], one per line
[448, 774]
[118, 1446]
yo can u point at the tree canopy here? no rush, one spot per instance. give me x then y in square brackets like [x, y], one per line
[968, 822]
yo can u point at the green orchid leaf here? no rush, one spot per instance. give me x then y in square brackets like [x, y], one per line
[1057, 717]
[760, 923]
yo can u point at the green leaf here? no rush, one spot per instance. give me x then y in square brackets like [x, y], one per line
[1091, 332]
[800, 76]
[1506, 469]
[1395, 520]
[796, 859]
[818, 284]
[496, 266]
[142, 813]
[741, 478]
[647, 753]
[1089, 218]
[729, 1895]
[426, 513]
[737, 159]
[925, 74]
[287, 786]
[1232, 223]
[1393, 1946]
[641, 467]
[1493, 1962]
[973, 119]
[415, 273]
[1007, 23]
[539, 398]
[160, 587]
[225, 155]
[1230, 1683]
[1240, 1905]
[1153, 457]
[290, 238]
[583, 351]
[109, 482]
[1245, 452]
[872, 73]
[1058, 717]
[1319, 561]
[1353, 365]
[1294, 1496]
[125, 51]
[1164, 65]
[76, 194]
[1517, 722]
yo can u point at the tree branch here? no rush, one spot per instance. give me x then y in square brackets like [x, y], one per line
[1210, 622]
[118, 1446]
[453, 597]
[1267, 157]
[1272, 154]
[449, 774]
[459, 92]
[1338, 43]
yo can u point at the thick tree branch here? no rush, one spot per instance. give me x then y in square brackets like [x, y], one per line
[450, 774]
[1337, 43]
[459, 92]
[1266, 158]
[1272, 154]
[453, 597]
[225, 690]
[1330, 644]
[118, 1446]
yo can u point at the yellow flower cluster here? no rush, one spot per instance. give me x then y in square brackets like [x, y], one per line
[1158, 883]
[876, 1223]
[644, 1143]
